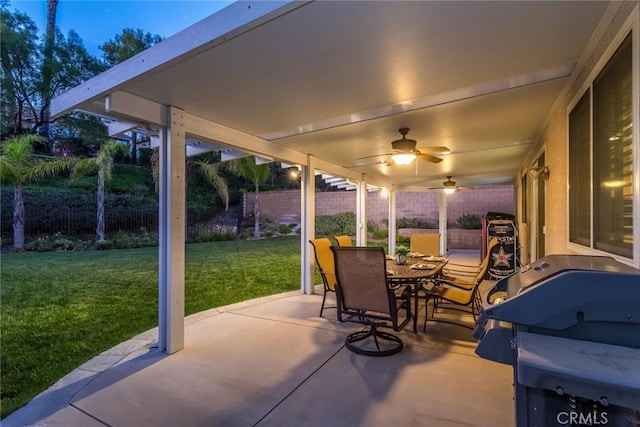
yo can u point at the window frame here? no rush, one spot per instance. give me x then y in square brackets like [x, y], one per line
[632, 25]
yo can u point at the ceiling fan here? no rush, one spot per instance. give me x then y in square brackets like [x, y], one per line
[448, 186]
[405, 151]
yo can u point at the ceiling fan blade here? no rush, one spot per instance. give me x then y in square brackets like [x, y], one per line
[439, 149]
[429, 158]
[375, 155]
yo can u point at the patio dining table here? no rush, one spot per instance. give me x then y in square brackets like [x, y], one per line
[418, 271]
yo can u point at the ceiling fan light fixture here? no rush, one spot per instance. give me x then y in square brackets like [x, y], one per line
[403, 158]
[449, 190]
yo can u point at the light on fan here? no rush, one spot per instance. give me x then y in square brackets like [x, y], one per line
[449, 190]
[403, 158]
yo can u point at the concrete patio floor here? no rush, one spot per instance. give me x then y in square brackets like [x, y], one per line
[274, 362]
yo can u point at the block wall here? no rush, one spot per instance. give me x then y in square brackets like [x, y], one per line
[284, 206]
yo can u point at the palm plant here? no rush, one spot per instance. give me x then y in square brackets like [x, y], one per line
[103, 164]
[246, 167]
[19, 167]
[211, 172]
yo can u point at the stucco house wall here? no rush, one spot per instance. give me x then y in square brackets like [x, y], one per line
[554, 142]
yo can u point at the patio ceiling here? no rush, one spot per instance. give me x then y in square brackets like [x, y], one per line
[338, 79]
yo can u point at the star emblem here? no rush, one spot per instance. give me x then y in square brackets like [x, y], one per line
[502, 258]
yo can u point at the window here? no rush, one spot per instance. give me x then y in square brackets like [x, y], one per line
[580, 172]
[601, 160]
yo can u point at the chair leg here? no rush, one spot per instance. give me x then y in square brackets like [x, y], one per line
[324, 298]
[394, 343]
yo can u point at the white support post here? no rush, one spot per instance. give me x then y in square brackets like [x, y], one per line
[361, 212]
[308, 218]
[442, 208]
[392, 220]
[172, 233]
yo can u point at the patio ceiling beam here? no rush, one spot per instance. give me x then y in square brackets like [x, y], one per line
[201, 128]
[131, 107]
[119, 127]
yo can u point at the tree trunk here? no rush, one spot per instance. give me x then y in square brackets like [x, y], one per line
[100, 212]
[134, 148]
[47, 67]
[18, 218]
[256, 214]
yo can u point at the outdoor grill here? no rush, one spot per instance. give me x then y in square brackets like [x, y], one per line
[570, 327]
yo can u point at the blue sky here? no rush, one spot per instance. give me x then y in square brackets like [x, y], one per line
[98, 21]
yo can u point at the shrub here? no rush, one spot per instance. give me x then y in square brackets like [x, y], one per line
[57, 242]
[380, 234]
[401, 240]
[338, 224]
[414, 223]
[469, 222]
[284, 229]
[215, 236]
[39, 245]
[122, 240]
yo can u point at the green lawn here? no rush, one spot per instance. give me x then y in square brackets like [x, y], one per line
[60, 309]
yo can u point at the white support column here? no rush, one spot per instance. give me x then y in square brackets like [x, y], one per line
[308, 218]
[442, 205]
[361, 212]
[392, 220]
[172, 233]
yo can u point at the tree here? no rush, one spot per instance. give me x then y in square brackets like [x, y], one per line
[127, 44]
[123, 46]
[103, 164]
[247, 168]
[47, 64]
[19, 167]
[19, 56]
[24, 95]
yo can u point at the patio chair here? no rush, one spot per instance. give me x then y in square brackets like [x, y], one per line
[467, 276]
[425, 243]
[324, 260]
[343, 240]
[364, 295]
[458, 287]
[457, 298]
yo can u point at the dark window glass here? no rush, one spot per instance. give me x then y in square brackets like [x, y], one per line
[580, 172]
[613, 155]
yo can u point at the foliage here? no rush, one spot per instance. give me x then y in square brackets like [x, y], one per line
[380, 234]
[127, 44]
[402, 240]
[217, 234]
[19, 167]
[211, 171]
[338, 224]
[26, 90]
[469, 222]
[247, 168]
[72, 212]
[123, 240]
[414, 223]
[284, 229]
[57, 242]
[402, 250]
[49, 315]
